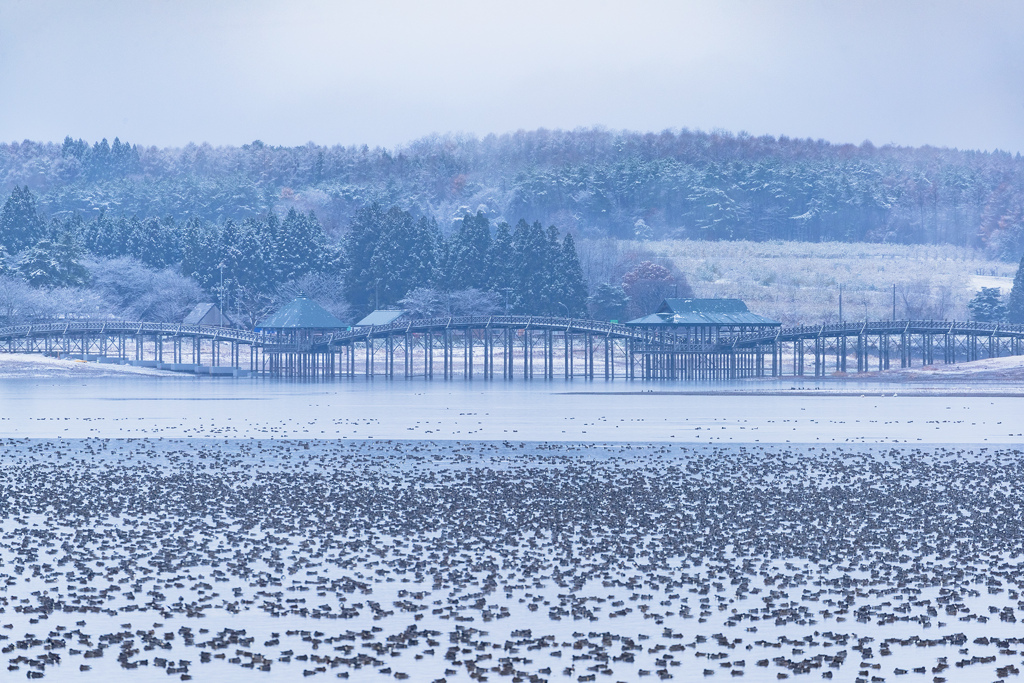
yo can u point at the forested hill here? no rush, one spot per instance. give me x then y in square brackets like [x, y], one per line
[594, 182]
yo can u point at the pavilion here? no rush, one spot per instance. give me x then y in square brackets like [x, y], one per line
[301, 321]
[704, 320]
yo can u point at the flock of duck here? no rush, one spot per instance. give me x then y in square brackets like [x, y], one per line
[459, 561]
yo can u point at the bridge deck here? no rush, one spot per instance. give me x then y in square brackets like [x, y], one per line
[524, 346]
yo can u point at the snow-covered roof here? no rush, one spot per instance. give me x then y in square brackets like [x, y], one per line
[207, 314]
[715, 312]
[384, 316]
[302, 313]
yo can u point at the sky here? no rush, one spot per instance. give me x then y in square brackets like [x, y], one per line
[386, 72]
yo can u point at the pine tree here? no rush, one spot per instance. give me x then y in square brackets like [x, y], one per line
[987, 306]
[609, 302]
[422, 250]
[391, 263]
[21, 225]
[98, 160]
[573, 284]
[1015, 302]
[301, 246]
[500, 276]
[360, 242]
[531, 289]
[201, 252]
[441, 279]
[469, 249]
[53, 263]
[552, 287]
[250, 259]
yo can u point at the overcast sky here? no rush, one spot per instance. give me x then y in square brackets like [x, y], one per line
[167, 72]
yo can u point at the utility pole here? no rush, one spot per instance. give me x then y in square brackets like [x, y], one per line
[894, 302]
[840, 304]
[220, 302]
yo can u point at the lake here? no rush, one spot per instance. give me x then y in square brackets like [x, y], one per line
[377, 530]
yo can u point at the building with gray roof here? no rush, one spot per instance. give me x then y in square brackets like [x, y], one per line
[383, 316]
[208, 314]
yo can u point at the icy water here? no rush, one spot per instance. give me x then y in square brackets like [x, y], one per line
[156, 529]
[561, 411]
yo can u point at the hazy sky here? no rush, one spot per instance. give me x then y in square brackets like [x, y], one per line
[166, 72]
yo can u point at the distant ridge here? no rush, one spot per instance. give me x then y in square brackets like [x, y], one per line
[592, 181]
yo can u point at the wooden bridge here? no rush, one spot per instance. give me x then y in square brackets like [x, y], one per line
[511, 347]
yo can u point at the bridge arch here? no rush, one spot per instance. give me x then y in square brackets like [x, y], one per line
[520, 346]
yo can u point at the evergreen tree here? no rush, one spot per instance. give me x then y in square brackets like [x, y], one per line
[469, 249]
[531, 276]
[20, 223]
[360, 243]
[152, 241]
[1015, 303]
[74, 148]
[72, 225]
[442, 280]
[387, 255]
[108, 236]
[421, 251]
[499, 272]
[987, 306]
[609, 302]
[53, 263]
[572, 283]
[388, 265]
[201, 252]
[97, 161]
[301, 246]
[249, 259]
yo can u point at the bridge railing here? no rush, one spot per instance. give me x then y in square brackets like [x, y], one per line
[788, 334]
[662, 339]
[650, 340]
[132, 327]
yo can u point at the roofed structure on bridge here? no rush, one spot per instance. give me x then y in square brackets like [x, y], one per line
[705, 320]
[208, 314]
[302, 313]
[383, 316]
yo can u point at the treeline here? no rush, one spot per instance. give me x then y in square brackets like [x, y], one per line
[387, 258]
[591, 182]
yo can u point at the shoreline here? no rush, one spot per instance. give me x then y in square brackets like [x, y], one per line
[36, 366]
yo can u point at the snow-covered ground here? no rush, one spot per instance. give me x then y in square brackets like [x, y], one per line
[1009, 369]
[36, 365]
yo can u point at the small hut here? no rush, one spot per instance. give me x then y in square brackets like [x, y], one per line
[384, 316]
[208, 314]
[300, 321]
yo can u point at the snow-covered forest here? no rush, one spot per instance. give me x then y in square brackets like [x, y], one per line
[544, 222]
[592, 182]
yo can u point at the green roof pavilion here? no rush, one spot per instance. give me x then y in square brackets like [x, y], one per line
[704, 320]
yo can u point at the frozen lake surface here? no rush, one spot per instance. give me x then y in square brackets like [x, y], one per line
[559, 411]
[378, 531]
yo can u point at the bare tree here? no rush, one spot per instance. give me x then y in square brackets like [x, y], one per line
[137, 292]
[18, 300]
[424, 302]
[648, 283]
[326, 290]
